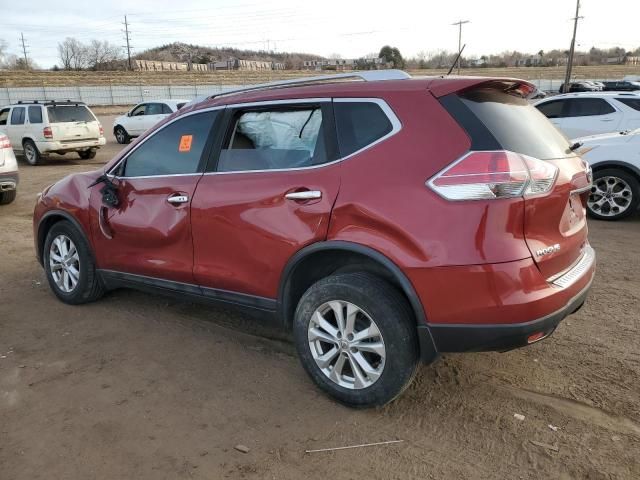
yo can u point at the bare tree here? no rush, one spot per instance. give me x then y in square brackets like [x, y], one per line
[72, 54]
[100, 54]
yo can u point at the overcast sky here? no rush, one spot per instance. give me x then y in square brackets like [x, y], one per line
[324, 27]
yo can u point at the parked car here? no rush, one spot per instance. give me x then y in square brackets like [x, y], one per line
[37, 129]
[621, 86]
[615, 159]
[8, 171]
[142, 117]
[377, 237]
[583, 86]
[582, 114]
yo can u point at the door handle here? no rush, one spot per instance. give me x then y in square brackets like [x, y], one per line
[177, 198]
[304, 195]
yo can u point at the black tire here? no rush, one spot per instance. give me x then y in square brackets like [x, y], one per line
[392, 315]
[31, 152]
[89, 287]
[87, 154]
[7, 197]
[631, 200]
[121, 135]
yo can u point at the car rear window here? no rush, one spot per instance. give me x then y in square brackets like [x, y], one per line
[630, 102]
[516, 125]
[69, 113]
[359, 124]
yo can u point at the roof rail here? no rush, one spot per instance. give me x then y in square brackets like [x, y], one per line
[49, 102]
[367, 76]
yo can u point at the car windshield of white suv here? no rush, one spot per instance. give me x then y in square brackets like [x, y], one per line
[69, 113]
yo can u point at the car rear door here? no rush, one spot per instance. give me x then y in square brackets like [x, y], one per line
[153, 113]
[16, 126]
[269, 194]
[149, 231]
[589, 116]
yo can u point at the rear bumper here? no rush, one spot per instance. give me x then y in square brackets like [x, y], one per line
[8, 181]
[475, 338]
[499, 306]
[55, 146]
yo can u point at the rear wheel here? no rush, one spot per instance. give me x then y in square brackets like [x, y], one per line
[121, 135]
[356, 338]
[31, 152]
[69, 265]
[7, 197]
[614, 195]
[87, 154]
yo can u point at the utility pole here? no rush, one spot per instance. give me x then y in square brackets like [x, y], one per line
[24, 51]
[459, 23]
[128, 46]
[567, 76]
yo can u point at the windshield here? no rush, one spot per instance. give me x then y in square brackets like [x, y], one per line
[69, 113]
[517, 125]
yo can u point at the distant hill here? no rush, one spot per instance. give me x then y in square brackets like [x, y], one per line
[182, 52]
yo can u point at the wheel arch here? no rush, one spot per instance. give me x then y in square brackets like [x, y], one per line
[626, 166]
[47, 221]
[321, 259]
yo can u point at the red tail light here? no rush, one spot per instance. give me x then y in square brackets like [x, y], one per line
[494, 174]
[101, 131]
[46, 131]
[4, 142]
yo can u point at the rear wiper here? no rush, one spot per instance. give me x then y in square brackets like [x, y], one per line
[575, 146]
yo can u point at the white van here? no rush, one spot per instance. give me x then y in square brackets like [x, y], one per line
[37, 129]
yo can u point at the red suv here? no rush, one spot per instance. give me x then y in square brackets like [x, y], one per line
[382, 221]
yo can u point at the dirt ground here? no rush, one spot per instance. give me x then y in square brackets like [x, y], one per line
[142, 387]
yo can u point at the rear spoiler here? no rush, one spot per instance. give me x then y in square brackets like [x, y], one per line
[442, 86]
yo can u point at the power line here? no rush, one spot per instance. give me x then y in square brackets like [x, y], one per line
[567, 76]
[459, 23]
[126, 36]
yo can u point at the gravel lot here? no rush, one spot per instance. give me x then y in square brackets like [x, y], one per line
[145, 387]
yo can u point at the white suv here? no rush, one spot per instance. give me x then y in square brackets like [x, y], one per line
[582, 114]
[40, 128]
[142, 117]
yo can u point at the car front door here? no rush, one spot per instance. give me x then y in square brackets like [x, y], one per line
[148, 232]
[269, 194]
[4, 119]
[136, 122]
[589, 116]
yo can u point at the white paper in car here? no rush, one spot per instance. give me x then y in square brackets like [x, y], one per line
[293, 130]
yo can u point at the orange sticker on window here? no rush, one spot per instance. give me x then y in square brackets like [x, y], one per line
[185, 143]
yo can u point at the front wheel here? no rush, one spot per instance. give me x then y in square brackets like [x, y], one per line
[356, 339]
[69, 265]
[614, 195]
[121, 135]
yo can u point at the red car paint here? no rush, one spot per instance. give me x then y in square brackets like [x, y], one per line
[469, 262]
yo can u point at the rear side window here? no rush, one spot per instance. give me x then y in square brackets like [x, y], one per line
[174, 149]
[35, 115]
[516, 125]
[587, 107]
[359, 124]
[275, 139]
[17, 116]
[165, 109]
[153, 109]
[69, 114]
[630, 102]
[552, 109]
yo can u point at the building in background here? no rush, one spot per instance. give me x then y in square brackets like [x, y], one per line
[230, 64]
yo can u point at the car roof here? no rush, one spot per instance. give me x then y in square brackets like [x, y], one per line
[561, 96]
[438, 86]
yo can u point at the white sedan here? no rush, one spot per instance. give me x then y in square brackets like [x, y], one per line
[615, 160]
[142, 117]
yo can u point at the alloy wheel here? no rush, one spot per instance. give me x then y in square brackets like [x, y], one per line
[30, 153]
[610, 196]
[346, 345]
[64, 263]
